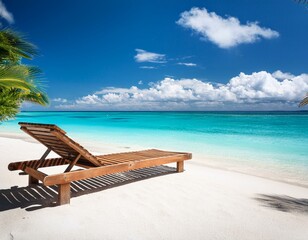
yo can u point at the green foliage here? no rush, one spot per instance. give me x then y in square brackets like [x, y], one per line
[9, 103]
[17, 76]
[18, 82]
[304, 101]
[13, 47]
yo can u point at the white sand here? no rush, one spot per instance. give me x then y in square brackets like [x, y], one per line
[201, 203]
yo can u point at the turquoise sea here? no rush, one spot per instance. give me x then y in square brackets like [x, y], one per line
[267, 144]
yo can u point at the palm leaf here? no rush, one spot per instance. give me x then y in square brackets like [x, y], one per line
[14, 77]
[39, 98]
[9, 103]
[30, 75]
[25, 78]
[304, 101]
[13, 46]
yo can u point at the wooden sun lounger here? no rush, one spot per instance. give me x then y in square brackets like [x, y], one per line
[71, 154]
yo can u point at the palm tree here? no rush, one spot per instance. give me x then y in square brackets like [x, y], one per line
[18, 82]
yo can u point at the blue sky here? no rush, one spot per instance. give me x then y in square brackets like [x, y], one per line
[166, 55]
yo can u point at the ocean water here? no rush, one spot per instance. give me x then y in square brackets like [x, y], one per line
[268, 144]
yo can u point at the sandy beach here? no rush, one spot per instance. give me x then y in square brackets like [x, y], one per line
[201, 203]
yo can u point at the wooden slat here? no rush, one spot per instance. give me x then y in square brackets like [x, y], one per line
[61, 153]
[32, 135]
[39, 125]
[38, 133]
[119, 157]
[122, 167]
[51, 137]
[59, 134]
[32, 163]
[77, 148]
[52, 140]
[128, 156]
[61, 148]
[39, 129]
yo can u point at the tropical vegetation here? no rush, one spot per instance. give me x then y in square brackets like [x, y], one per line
[18, 82]
[304, 101]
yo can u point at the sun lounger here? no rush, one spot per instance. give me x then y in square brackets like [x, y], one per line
[72, 154]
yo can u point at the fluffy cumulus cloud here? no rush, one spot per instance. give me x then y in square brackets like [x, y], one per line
[224, 32]
[145, 56]
[4, 13]
[281, 75]
[256, 91]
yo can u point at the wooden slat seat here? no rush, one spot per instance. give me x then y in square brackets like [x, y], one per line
[133, 156]
[71, 153]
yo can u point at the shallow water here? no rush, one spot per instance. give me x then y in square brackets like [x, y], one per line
[269, 144]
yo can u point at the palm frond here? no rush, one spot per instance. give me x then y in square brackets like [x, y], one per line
[39, 98]
[9, 104]
[21, 76]
[12, 77]
[13, 46]
[25, 78]
[304, 101]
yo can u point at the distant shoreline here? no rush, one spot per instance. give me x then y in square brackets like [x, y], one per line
[242, 111]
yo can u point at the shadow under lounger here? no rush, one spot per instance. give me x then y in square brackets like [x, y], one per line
[56, 140]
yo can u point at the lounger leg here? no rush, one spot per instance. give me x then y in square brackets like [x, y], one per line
[32, 180]
[64, 193]
[180, 166]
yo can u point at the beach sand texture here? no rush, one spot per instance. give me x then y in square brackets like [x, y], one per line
[201, 203]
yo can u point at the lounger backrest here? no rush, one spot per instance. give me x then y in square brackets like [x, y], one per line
[56, 139]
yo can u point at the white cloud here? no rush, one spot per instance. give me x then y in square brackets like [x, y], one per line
[4, 13]
[61, 100]
[256, 91]
[281, 75]
[224, 32]
[140, 82]
[187, 64]
[145, 56]
[147, 67]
